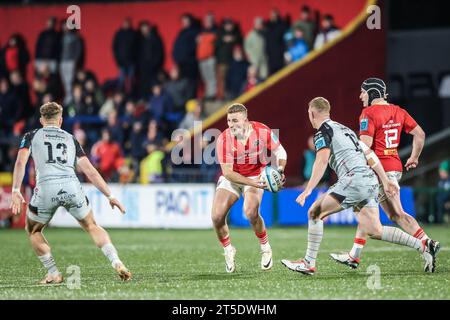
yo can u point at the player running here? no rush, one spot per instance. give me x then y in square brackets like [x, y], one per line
[242, 153]
[381, 125]
[357, 187]
[56, 153]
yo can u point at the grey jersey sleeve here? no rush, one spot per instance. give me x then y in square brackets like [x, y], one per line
[78, 149]
[322, 138]
[26, 140]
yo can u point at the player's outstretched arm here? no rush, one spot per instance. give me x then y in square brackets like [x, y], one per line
[418, 142]
[319, 167]
[19, 171]
[390, 187]
[97, 180]
[227, 171]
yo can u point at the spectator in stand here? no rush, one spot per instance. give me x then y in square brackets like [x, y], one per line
[255, 48]
[193, 116]
[48, 47]
[76, 106]
[227, 38]
[184, 52]
[114, 103]
[252, 79]
[160, 105]
[129, 118]
[154, 135]
[151, 167]
[22, 92]
[150, 57]
[124, 48]
[115, 128]
[107, 156]
[237, 74]
[16, 55]
[91, 107]
[205, 56]
[91, 88]
[71, 54]
[178, 88]
[9, 112]
[307, 25]
[82, 76]
[328, 31]
[46, 82]
[137, 142]
[443, 195]
[297, 47]
[275, 46]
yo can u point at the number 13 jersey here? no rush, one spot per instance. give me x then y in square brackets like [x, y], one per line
[384, 123]
[346, 154]
[54, 151]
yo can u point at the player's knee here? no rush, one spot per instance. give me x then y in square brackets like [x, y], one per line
[218, 219]
[90, 226]
[252, 214]
[313, 213]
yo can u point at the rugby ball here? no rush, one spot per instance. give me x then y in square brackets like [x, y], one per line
[272, 178]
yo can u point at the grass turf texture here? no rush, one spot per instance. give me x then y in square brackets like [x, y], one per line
[188, 264]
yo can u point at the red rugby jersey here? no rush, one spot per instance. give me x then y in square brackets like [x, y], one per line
[249, 159]
[384, 123]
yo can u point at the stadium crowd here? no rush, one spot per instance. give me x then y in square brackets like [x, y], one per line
[124, 123]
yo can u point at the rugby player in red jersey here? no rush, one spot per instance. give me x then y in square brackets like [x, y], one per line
[381, 124]
[242, 151]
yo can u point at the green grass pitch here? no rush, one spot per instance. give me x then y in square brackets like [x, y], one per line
[188, 264]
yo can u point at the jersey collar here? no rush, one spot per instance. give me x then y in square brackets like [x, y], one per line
[328, 119]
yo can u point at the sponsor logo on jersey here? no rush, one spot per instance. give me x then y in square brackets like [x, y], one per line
[364, 125]
[22, 143]
[54, 136]
[320, 143]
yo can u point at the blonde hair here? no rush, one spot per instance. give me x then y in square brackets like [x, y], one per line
[237, 107]
[50, 110]
[321, 104]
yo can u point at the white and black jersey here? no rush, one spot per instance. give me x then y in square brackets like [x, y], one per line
[54, 151]
[346, 154]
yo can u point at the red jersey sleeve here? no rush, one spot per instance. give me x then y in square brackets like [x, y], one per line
[270, 136]
[366, 124]
[409, 123]
[223, 150]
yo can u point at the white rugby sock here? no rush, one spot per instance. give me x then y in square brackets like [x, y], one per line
[49, 263]
[111, 253]
[395, 235]
[358, 245]
[315, 234]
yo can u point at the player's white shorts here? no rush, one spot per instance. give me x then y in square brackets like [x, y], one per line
[393, 176]
[356, 190]
[49, 196]
[235, 188]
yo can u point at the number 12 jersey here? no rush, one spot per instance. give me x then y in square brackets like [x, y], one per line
[384, 123]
